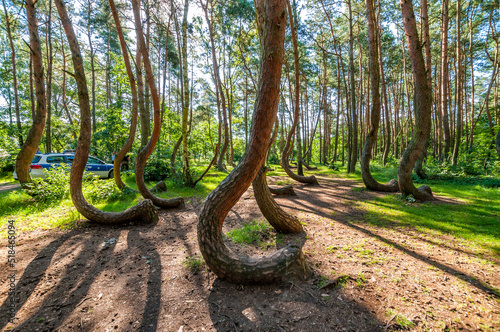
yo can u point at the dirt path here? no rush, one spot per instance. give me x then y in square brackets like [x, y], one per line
[9, 186]
[366, 278]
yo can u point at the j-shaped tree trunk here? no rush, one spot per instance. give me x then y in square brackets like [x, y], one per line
[143, 155]
[288, 146]
[422, 102]
[371, 138]
[223, 262]
[144, 210]
[279, 219]
[30, 147]
[133, 124]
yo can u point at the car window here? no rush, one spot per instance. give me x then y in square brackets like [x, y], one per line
[94, 161]
[55, 159]
[69, 159]
[36, 159]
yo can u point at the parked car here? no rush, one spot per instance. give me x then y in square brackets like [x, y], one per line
[42, 162]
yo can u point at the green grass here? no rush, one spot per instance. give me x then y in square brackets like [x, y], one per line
[193, 263]
[252, 232]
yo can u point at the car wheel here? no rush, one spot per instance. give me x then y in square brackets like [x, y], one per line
[110, 174]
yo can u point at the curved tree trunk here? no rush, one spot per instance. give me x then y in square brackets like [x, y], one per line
[283, 191]
[288, 146]
[279, 219]
[143, 113]
[144, 210]
[133, 125]
[423, 103]
[30, 146]
[143, 155]
[371, 138]
[223, 262]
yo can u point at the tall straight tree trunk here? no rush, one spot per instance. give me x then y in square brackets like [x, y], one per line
[445, 79]
[186, 171]
[144, 210]
[422, 107]
[387, 144]
[419, 169]
[14, 79]
[219, 258]
[354, 120]
[458, 89]
[48, 125]
[371, 138]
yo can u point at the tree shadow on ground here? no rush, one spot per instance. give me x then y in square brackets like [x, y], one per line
[288, 306]
[321, 200]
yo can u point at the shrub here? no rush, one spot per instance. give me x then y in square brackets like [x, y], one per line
[53, 188]
[96, 190]
[157, 168]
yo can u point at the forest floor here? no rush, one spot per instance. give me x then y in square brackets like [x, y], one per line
[372, 271]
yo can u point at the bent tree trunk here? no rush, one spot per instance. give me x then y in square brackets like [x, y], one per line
[422, 102]
[371, 138]
[144, 210]
[209, 166]
[279, 219]
[30, 147]
[143, 155]
[223, 262]
[288, 147]
[133, 125]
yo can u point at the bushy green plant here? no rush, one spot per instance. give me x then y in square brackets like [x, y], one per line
[96, 190]
[157, 168]
[53, 188]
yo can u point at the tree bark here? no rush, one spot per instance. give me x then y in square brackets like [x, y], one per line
[35, 134]
[286, 151]
[144, 210]
[223, 262]
[422, 108]
[133, 123]
[48, 91]
[371, 138]
[143, 154]
[458, 89]
[281, 221]
[186, 171]
[419, 164]
[445, 79]
[351, 167]
[14, 83]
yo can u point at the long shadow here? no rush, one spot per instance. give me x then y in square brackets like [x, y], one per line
[31, 277]
[153, 292]
[459, 274]
[73, 287]
[287, 307]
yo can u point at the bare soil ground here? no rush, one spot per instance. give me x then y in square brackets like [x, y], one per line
[366, 278]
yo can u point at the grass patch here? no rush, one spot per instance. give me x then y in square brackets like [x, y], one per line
[402, 321]
[193, 263]
[255, 232]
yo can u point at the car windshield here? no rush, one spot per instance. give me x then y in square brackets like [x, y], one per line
[92, 160]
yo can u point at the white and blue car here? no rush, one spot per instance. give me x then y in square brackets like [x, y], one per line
[42, 162]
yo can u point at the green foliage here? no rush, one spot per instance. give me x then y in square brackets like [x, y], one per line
[252, 232]
[96, 190]
[193, 263]
[157, 168]
[51, 189]
[402, 321]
